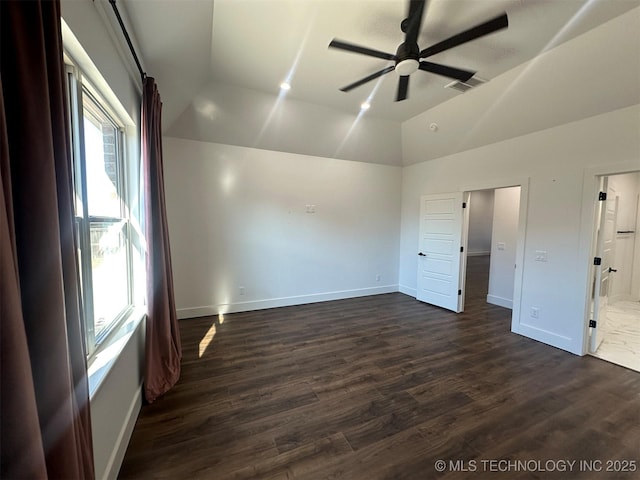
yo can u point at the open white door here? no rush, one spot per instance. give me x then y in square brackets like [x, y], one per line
[605, 244]
[439, 250]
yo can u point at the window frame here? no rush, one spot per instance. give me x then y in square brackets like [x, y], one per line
[77, 86]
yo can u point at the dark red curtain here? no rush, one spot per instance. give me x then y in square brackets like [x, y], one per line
[45, 429]
[163, 349]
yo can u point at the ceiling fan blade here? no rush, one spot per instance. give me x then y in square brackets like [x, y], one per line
[498, 23]
[414, 17]
[368, 79]
[350, 47]
[457, 73]
[403, 88]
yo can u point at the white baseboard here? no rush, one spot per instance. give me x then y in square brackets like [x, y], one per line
[120, 448]
[478, 254]
[412, 292]
[193, 312]
[500, 301]
[549, 338]
[281, 302]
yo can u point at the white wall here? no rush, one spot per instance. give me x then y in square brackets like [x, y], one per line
[503, 246]
[237, 218]
[554, 161]
[627, 189]
[480, 222]
[117, 401]
[116, 404]
[239, 116]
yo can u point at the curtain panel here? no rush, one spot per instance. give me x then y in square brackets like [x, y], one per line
[45, 429]
[163, 351]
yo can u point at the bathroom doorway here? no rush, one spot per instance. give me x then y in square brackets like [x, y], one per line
[614, 322]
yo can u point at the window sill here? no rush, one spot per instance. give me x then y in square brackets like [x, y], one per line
[108, 353]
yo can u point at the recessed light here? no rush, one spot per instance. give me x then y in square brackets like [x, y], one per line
[365, 106]
[285, 86]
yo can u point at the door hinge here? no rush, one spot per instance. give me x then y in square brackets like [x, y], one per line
[592, 323]
[602, 196]
[464, 204]
[597, 261]
[461, 249]
[459, 292]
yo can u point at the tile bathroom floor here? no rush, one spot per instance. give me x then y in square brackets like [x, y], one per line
[621, 343]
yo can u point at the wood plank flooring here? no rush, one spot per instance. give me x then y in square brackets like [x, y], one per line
[382, 387]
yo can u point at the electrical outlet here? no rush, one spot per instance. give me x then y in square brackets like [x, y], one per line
[241, 289]
[378, 278]
[535, 312]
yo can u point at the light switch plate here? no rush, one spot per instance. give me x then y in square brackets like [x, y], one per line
[541, 256]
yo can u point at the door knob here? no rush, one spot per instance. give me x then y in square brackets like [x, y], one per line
[612, 270]
[421, 254]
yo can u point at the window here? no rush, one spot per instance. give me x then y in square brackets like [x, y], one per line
[101, 212]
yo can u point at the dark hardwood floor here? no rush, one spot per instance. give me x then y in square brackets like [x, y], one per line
[382, 387]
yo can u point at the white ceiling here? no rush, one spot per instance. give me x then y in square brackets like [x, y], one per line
[256, 44]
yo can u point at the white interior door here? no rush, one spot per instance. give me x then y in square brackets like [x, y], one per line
[439, 250]
[605, 251]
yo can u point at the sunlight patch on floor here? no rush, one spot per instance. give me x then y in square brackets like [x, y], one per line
[206, 340]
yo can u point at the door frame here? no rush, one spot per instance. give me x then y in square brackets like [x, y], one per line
[523, 183]
[588, 227]
[596, 307]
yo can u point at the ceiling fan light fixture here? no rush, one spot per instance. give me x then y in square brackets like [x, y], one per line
[407, 67]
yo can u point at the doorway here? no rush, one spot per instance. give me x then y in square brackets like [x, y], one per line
[614, 320]
[444, 244]
[492, 232]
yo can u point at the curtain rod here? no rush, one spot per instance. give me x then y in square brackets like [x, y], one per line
[143, 74]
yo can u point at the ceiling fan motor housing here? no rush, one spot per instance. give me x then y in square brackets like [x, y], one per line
[407, 59]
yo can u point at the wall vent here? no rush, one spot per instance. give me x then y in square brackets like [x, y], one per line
[464, 86]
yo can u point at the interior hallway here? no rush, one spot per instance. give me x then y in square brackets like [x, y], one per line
[477, 280]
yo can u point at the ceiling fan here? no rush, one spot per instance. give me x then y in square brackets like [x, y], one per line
[408, 55]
